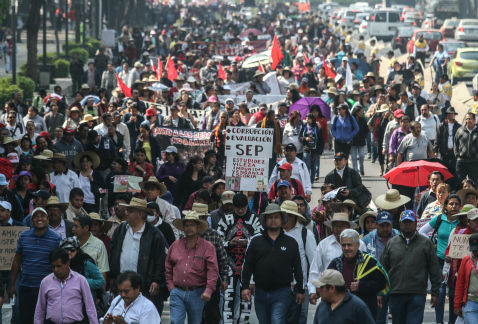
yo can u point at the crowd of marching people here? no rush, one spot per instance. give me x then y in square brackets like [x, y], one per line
[95, 255]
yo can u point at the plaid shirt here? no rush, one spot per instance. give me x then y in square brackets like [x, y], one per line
[216, 240]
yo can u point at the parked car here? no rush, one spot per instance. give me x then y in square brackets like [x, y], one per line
[451, 46]
[413, 18]
[432, 36]
[467, 30]
[383, 23]
[465, 65]
[401, 38]
[449, 26]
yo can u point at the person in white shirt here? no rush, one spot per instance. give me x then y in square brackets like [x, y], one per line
[63, 178]
[299, 170]
[327, 250]
[307, 245]
[130, 306]
[429, 122]
[102, 129]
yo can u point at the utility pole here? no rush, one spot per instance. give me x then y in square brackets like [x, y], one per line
[44, 33]
[13, 61]
[66, 29]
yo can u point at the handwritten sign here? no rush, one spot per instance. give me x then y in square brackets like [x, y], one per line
[459, 246]
[125, 183]
[8, 243]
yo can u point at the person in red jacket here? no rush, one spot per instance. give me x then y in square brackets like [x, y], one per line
[466, 290]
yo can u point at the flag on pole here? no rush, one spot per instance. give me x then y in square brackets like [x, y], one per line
[172, 72]
[152, 65]
[276, 53]
[221, 74]
[124, 88]
[348, 78]
[159, 70]
[261, 68]
[328, 71]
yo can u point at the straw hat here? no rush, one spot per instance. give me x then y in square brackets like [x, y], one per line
[364, 216]
[137, 203]
[383, 108]
[340, 217]
[200, 209]
[152, 78]
[272, 209]
[92, 155]
[9, 140]
[106, 223]
[331, 90]
[191, 216]
[391, 199]
[337, 206]
[290, 207]
[60, 157]
[258, 73]
[464, 192]
[154, 181]
[53, 201]
[46, 155]
[74, 109]
[87, 118]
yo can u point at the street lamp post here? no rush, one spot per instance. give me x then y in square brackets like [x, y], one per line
[66, 29]
[44, 33]
[13, 61]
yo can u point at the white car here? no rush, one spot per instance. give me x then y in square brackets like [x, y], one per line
[467, 30]
[383, 23]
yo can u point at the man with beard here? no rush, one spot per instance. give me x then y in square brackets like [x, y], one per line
[237, 229]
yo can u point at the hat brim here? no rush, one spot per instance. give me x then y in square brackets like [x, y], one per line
[179, 224]
[106, 224]
[160, 185]
[364, 216]
[382, 203]
[337, 205]
[330, 222]
[145, 209]
[300, 217]
[262, 217]
[93, 156]
[42, 157]
[62, 206]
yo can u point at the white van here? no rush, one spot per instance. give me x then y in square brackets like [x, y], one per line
[383, 23]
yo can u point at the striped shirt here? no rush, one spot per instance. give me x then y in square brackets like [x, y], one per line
[35, 251]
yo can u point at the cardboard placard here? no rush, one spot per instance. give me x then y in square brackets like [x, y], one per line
[459, 246]
[246, 174]
[8, 244]
[126, 183]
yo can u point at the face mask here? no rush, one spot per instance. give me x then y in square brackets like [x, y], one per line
[150, 218]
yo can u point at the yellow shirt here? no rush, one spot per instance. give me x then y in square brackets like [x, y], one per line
[362, 45]
[392, 62]
[373, 50]
[419, 79]
[446, 89]
[475, 108]
[348, 38]
[147, 149]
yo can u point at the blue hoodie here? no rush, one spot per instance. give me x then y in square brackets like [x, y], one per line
[344, 130]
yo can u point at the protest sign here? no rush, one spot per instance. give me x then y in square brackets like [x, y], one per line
[271, 80]
[188, 142]
[459, 246]
[126, 183]
[248, 151]
[8, 243]
[267, 99]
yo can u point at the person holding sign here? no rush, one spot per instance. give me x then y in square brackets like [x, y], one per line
[466, 290]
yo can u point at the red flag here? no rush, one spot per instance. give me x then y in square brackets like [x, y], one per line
[276, 53]
[172, 72]
[152, 65]
[124, 88]
[221, 74]
[261, 68]
[159, 70]
[306, 59]
[328, 71]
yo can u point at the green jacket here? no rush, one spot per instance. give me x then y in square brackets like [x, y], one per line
[409, 265]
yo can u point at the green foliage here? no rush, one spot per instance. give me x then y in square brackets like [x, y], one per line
[71, 46]
[93, 45]
[23, 69]
[62, 68]
[82, 53]
[50, 58]
[7, 89]
[27, 85]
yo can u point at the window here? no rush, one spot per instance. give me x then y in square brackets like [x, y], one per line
[469, 55]
[381, 17]
[393, 17]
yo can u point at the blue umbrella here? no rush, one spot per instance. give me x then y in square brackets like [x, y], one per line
[362, 65]
[303, 106]
[85, 99]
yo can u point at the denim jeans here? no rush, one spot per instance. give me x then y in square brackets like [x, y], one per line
[28, 301]
[182, 302]
[272, 306]
[440, 309]
[312, 160]
[382, 313]
[297, 314]
[470, 312]
[357, 153]
[407, 308]
[369, 141]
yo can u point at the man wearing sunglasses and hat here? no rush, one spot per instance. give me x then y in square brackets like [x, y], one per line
[273, 259]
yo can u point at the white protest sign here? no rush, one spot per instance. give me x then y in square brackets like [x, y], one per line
[267, 99]
[249, 142]
[459, 246]
[246, 174]
[271, 80]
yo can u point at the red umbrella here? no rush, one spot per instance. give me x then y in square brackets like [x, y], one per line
[415, 173]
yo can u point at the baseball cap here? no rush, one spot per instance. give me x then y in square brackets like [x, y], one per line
[68, 130]
[398, 113]
[13, 157]
[340, 155]
[417, 85]
[3, 180]
[42, 194]
[39, 209]
[384, 217]
[329, 277]
[473, 240]
[6, 205]
[151, 112]
[171, 149]
[285, 166]
[212, 99]
[291, 147]
[283, 183]
[227, 197]
[472, 214]
[229, 100]
[408, 215]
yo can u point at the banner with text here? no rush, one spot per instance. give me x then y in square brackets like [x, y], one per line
[188, 142]
[8, 244]
[248, 151]
[126, 183]
[459, 246]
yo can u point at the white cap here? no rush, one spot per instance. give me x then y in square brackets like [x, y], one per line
[39, 209]
[171, 149]
[472, 214]
[6, 205]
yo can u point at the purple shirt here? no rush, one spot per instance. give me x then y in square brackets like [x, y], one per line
[395, 141]
[63, 302]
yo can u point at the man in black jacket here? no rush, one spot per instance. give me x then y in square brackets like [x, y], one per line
[445, 139]
[343, 176]
[137, 246]
[273, 258]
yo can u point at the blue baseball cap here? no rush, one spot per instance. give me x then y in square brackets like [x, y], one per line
[3, 180]
[408, 215]
[384, 217]
[283, 183]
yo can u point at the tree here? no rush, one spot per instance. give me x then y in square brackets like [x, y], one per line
[32, 26]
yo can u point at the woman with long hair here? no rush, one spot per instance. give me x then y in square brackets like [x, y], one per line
[91, 180]
[141, 167]
[357, 151]
[148, 143]
[245, 113]
[22, 194]
[292, 95]
[210, 165]
[321, 122]
[218, 137]
[190, 180]
[344, 128]
[313, 141]
[435, 208]
[235, 119]
[183, 112]
[291, 133]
